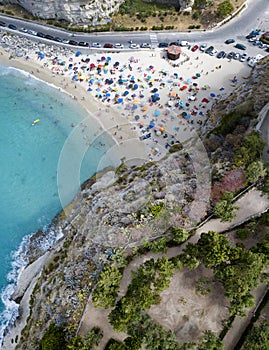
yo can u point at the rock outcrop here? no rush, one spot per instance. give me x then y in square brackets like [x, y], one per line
[82, 11]
[71, 11]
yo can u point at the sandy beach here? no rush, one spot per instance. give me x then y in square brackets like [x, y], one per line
[145, 101]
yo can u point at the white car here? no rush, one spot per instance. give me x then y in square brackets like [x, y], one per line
[145, 46]
[134, 46]
[184, 43]
[23, 30]
[32, 32]
[118, 46]
[98, 45]
[203, 47]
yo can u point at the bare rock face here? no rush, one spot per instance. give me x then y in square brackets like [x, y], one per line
[186, 4]
[72, 11]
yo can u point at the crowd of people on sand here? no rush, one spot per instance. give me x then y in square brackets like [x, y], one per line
[159, 99]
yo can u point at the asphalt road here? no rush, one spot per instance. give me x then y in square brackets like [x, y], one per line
[255, 15]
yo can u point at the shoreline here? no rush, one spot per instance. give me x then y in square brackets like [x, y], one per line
[127, 140]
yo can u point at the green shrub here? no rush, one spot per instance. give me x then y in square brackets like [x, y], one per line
[54, 338]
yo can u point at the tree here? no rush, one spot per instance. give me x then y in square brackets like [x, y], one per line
[224, 209]
[106, 292]
[54, 338]
[224, 8]
[210, 342]
[213, 249]
[255, 170]
[179, 235]
[258, 338]
[93, 337]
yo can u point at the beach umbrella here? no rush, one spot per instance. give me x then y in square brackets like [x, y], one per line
[108, 58]
[41, 55]
[137, 117]
[205, 100]
[157, 113]
[132, 59]
[89, 89]
[170, 81]
[78, 53]
[145, 108]
[170, 103]
[184, 87]
[189, 80]
[125, 93]
[108, 94]
[155, 90]
[158, 133]
[198, 75]
[135, 87]
[132, 80]
[134, 107]
[116, 64]
[184, 114]
[120, 100]
[194, 84]
[135, 102]
[172, 93]
[212, 94]
[151, 124]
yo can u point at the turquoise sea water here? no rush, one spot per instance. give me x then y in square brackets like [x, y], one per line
[29, 157]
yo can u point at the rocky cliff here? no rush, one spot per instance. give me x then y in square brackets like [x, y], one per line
[83, 11]
[71, 11]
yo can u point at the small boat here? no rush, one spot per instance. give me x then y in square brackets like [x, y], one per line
[36, 121]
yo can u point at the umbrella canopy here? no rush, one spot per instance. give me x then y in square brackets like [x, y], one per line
[172, 93]
[151, 124]
[125, 93]
[41, 55]
[134, 107]
[135, 87]
[157, 113]
[137, 117]
[198, 75]
[78, 53]
[120, 100]
[212, 94]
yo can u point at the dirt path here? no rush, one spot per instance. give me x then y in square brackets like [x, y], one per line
[98, 317]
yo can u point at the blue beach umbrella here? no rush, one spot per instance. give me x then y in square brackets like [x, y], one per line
[89, 89]
[41, 55]
[157, 113]
[212, 94]
[78, 53]
[108, 94]
[120, 100]
[151, 124]
[135, 87]
[134, 107]
[125, 93]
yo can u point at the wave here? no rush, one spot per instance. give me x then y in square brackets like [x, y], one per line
[19, 261]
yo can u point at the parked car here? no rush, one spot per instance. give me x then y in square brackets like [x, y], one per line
[134, 46]
[240, 46]
[202, 47]
[229, 41]
[213, 52]
[59, 40]
[184, 43]
[2, 24]
[236, 56]
[256, 42]
[209, 49]
[221, 54]
[83, 43]
[194, 48]
[49, 37]
[250, 36]
[96, 45]
[230, 55]
[23, 30]
[40, 35]
[118, 46]
[145, 136]
[32, 32]
[12, 26]
[174, 43]
[163, 45]
[243, 57]
[108, 46]
[73, 42]
[145, 46]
